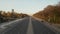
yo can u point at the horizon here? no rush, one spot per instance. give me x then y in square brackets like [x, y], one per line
[26, 6]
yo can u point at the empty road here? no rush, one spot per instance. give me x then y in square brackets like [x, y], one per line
[27, 25]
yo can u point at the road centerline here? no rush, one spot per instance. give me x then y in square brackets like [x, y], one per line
[30, 29]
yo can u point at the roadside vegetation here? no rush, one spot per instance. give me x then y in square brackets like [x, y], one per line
[10, 16]
[50, 14]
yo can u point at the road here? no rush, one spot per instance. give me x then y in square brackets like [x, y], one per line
[27, 25]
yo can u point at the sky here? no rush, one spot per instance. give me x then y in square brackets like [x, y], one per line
[25, 6]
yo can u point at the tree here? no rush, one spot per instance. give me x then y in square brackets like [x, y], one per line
[50, 14]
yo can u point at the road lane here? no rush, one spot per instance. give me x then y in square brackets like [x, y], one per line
[39, 28]
[20, 28]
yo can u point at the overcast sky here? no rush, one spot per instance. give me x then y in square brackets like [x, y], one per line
[26, 6]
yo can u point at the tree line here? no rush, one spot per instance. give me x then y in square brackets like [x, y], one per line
[9, 16]
[50, 14]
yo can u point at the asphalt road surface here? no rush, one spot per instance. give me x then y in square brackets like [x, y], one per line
[27, 25]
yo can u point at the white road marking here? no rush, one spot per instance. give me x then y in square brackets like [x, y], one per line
[3, 25]
[30, 29]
